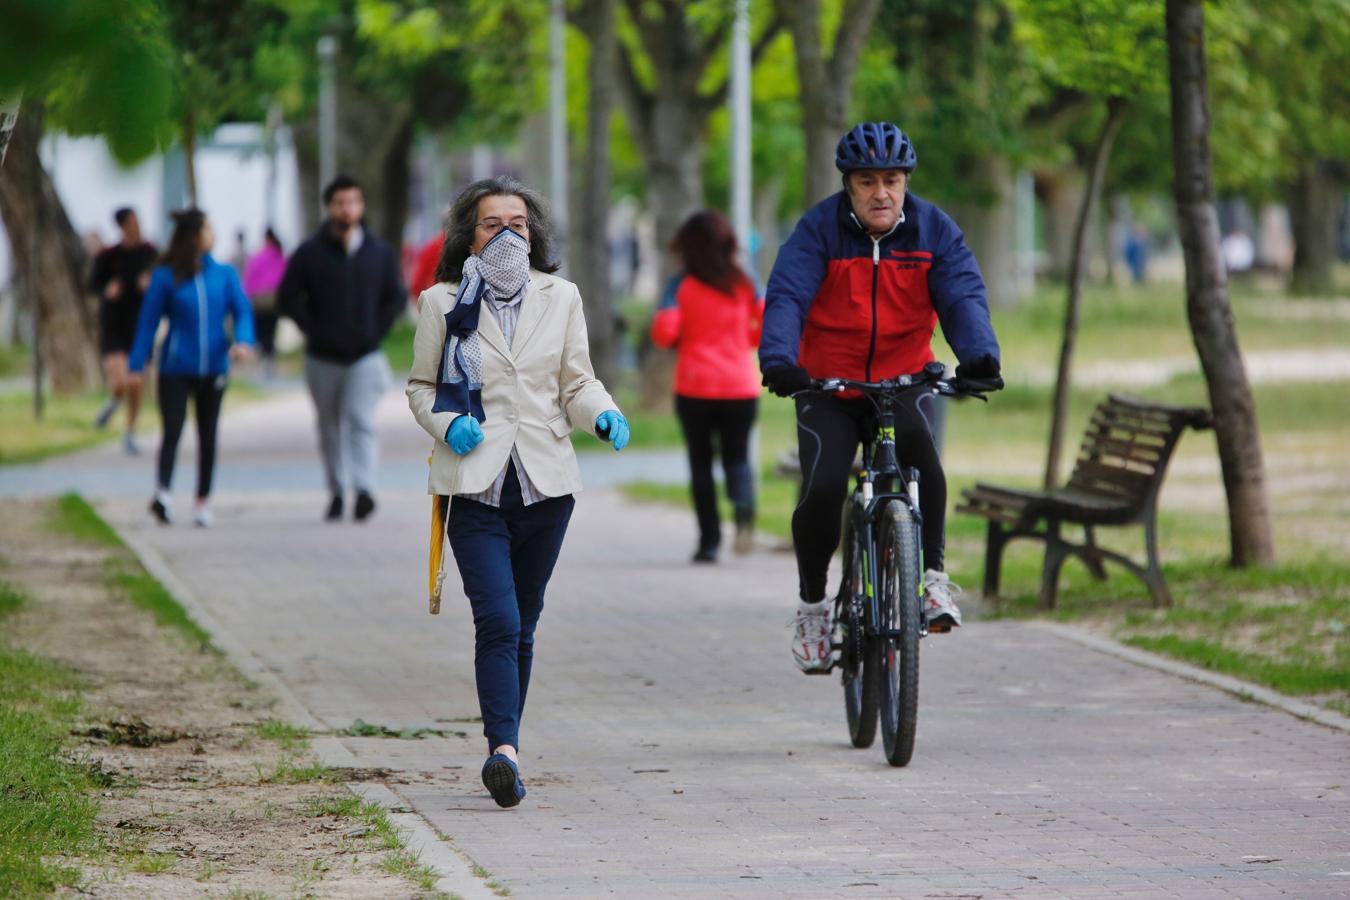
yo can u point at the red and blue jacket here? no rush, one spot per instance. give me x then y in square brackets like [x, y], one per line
[842, 305]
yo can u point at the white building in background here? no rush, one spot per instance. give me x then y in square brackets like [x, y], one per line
[238, 186]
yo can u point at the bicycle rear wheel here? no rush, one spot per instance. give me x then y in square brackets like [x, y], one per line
[899, 603]
[858, 660]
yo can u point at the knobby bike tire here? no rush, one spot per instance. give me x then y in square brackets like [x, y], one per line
[860, 666]
[900, 605]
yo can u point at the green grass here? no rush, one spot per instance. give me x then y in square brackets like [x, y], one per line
[73, 516]
[67, 424]
[289, 736]
[46, 805]
[398, 345]
[295, 771]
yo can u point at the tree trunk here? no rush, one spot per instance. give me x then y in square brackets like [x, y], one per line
[49, 262]
[9, 114]
[1061, 194]
[1078, 262]
[396, 178]
[190, 156]
[1314, 203]
[591, 247]
[1211, 318]
[826, 82]
[991, 227]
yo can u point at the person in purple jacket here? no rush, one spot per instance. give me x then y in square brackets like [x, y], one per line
[197, 295]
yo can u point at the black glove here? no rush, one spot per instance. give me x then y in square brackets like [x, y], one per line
[786, 380]
[980, 374]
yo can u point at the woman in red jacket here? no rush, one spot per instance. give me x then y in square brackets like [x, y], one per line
[710, 314]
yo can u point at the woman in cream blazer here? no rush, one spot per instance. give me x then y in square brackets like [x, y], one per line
[501, 375]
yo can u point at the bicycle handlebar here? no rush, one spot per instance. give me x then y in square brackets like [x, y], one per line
[929, 379]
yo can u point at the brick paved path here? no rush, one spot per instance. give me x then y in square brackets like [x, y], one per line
[672, 750]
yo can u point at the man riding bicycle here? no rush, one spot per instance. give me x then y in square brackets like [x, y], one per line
[855, 293]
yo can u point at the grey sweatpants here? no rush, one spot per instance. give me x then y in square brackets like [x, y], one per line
[345, 397]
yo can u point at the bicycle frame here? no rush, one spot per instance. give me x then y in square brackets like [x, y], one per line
[881, 468]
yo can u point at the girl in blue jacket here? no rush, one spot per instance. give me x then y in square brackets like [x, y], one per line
[197, 294]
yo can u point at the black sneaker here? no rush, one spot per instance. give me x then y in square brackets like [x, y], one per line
[705, 555]
[365, 505]
[159, 508]
[334, 513]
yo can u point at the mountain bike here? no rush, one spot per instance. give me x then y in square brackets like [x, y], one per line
[879, 617]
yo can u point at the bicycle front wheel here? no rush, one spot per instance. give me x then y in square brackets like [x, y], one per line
[858, 661]
[898, 599]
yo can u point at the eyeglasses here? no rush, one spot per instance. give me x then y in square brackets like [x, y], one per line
[492, 226]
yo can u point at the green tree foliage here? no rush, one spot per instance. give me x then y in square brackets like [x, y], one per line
[98, 67]
[953, 74]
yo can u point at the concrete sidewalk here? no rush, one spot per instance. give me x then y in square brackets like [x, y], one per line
[672, 750]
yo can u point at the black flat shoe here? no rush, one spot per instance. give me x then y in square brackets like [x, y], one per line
[334, 513]
[705, 555]
[502, 779]
[365, 505]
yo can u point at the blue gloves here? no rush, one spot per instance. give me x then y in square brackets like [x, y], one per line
[464, 434]
[613, 427]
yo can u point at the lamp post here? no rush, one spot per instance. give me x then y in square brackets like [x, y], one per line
[557, 126]
[327, 49]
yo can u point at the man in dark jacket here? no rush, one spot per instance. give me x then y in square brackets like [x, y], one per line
[342, 288]
[855, 293]
[119, 279]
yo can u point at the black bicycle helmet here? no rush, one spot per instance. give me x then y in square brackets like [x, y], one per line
[875, 145]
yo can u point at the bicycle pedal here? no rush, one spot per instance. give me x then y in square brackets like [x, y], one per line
[818, 671]
[939, 627]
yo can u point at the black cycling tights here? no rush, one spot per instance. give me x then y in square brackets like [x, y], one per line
[207, 394]
[828, 433]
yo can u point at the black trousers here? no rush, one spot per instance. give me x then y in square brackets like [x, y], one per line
[207, 394]
[829, 430]
[709, 425]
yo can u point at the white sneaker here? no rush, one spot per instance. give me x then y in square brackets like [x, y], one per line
[202, 516]
[939, 601]
[811, 639]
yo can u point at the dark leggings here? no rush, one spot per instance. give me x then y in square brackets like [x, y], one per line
[206, 394]
[729, 423]
[828, 433]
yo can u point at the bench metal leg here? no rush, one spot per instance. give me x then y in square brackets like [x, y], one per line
[1055, 552]
[993, 559]
[1089, 555]
[1153, 575]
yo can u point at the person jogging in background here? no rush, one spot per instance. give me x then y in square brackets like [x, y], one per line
[197, 295]
[121, 273]
[856, 293]
[342, 289]
[262, 276]
[711, 316]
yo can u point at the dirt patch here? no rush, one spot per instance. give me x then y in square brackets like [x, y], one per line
[189, 804]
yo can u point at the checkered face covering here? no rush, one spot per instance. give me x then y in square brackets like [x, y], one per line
[501, 270]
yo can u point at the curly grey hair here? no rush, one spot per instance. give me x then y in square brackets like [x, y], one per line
[462, 220]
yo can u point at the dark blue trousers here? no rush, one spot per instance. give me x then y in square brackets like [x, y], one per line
[505, 557]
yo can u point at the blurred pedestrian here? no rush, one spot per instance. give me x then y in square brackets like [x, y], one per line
[424, 266]
[501, 374]
[197, 295]
[711, 315]
[342, 289]
[262, 275]
[120, 276]
[1239, 252]
[1136, 253]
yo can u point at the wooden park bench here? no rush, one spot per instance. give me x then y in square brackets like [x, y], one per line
[1115, 482]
